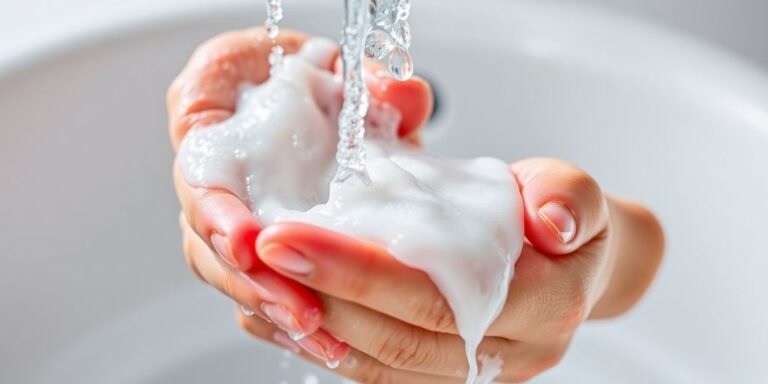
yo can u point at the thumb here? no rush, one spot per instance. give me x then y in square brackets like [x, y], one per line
[564, 207]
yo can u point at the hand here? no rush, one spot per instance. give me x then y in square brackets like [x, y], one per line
[588, 256]
[596, 266]
[219, 230]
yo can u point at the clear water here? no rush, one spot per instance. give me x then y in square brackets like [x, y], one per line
[389, 36]
[381, 33]
[350, 153]
[272, 25]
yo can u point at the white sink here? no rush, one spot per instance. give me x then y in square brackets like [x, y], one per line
[93, 286]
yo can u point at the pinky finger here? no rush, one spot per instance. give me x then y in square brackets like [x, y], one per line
[355, 365]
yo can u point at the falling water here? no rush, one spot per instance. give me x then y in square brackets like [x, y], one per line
[272, 25]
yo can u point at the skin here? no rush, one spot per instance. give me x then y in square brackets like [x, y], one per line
[587, 255]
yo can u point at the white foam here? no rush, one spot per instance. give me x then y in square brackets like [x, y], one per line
[460, 221]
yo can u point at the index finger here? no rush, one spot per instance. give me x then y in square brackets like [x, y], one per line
[205, 92]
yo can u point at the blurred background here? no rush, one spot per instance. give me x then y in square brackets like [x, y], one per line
[738, 25]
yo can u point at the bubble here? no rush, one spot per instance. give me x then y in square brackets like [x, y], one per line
[331, 364]
[400, 64]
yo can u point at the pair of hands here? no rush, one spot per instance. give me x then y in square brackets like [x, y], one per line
[586, 255]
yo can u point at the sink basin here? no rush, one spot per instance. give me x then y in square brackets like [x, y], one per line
[93, 284]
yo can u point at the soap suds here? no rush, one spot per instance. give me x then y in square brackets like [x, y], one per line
[460, 221]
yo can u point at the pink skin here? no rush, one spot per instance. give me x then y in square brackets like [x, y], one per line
[205, 93]
[587, 256]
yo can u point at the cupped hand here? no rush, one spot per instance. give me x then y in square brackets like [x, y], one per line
[587, 256]
[219, 230]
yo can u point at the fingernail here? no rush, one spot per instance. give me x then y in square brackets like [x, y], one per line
[560, 219]
[221, 245]
[324, 346]
[282, 317]
[285, 341]
[287, 260]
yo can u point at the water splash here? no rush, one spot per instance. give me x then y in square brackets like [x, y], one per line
[389, 36]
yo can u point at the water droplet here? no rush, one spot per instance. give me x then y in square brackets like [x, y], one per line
[332, 364]
[247, 311]
[240, 154]
[296, 336]
[401, 64]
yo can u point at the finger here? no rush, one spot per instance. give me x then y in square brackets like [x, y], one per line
[222, 220]
[354, 364]
[548, 297]
[273, 297]
[547, 300]
[564, 206]
[403, 346]
[412, 98]
[206, 90]
[355, 271]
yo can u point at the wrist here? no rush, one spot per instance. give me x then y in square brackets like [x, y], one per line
[635, 249]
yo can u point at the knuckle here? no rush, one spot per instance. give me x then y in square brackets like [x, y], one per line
[401, 349]
[563, 306]
[227, 284]
[358, 286]
[435, 315]
[586, 186]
